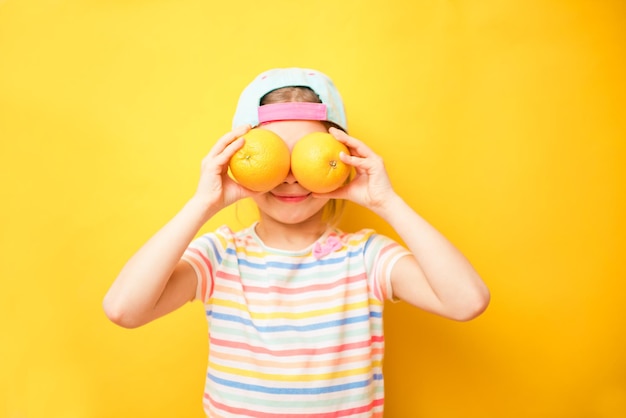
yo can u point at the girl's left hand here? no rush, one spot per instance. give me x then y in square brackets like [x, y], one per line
[371, 186]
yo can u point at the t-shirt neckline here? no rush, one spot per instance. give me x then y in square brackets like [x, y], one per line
[309, 249]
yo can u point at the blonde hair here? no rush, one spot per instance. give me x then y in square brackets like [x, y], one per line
[334, 207]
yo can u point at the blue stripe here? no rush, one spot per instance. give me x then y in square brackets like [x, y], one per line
[293, 266]
[211, 247]
[281, 328]
[218, 256]
[293, 391]
[368, 242]
[373, 314]
[376, 314]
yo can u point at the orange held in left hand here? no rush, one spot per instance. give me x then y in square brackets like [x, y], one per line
[316, 164]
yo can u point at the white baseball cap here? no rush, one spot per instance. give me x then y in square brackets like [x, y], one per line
[249, 109]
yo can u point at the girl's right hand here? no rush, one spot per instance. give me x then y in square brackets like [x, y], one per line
[216, 190]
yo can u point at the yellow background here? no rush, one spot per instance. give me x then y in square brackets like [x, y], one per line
[501, 122]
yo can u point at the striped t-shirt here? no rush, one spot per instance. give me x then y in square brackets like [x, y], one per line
[294, 333]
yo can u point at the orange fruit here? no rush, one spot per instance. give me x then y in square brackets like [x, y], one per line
[263, 161]
[316, 165]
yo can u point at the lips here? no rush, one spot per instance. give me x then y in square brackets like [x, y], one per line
[289, 198]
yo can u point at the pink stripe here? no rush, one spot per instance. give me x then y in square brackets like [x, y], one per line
[263, 300]
[300, 352]
[204, 280]
[381, 289]
[292, 111]
[297, 291]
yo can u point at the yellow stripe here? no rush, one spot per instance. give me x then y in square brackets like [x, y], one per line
[223, 241]
[307, 364]
[249, 252]
[290, 315]
[264, 301]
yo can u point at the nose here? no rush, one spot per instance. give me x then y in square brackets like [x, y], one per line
[290, 179]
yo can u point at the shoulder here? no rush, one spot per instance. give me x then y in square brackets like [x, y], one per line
[219, 242]
[225, 235]
[366, 244]
[354, 239]
[368, 239]
[374, 247]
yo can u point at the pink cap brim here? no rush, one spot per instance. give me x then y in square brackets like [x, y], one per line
[292, 111]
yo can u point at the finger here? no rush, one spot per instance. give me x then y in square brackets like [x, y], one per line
[240, 130]
[339, 193]
[232, 148]
[355, 146]
[239, 191]
[227, 139]
[354, 160]
[219, 163]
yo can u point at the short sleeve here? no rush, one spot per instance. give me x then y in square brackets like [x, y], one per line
[204, 254]
[381, 254]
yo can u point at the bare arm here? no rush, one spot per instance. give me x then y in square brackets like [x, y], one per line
[154, 281]
[437, 277]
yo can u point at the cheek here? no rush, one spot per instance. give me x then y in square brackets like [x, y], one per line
[318, 204]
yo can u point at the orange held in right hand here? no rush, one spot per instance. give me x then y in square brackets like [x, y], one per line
[263, 161]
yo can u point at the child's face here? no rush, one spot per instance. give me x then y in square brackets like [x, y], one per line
[291, 131]
[289, 202]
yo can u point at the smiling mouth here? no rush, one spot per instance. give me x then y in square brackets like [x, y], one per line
[292, 199]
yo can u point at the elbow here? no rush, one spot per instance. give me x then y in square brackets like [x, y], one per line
[473, 307]
[118, 314]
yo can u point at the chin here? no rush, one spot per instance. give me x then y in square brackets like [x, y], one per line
[293, 214]
[293, 219]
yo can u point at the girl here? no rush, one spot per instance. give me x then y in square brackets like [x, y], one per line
[294, 305]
